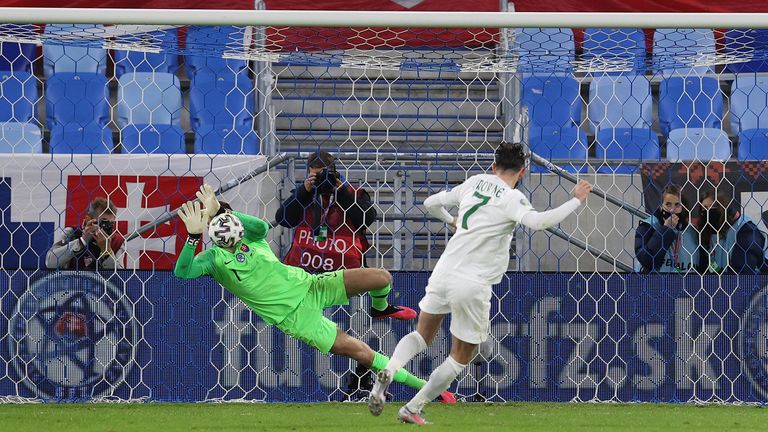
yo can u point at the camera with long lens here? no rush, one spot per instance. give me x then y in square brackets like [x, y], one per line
[325, 181]
[107, 226]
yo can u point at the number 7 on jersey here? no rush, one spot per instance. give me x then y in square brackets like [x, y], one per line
[483, 201]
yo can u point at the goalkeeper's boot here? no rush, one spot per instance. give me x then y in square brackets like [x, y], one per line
[407, 416]
[401, 313]
[379, 392]
[446, 397]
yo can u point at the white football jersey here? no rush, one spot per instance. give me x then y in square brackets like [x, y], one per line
[489, 211]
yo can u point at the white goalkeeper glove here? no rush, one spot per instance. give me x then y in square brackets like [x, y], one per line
[193, 217]
[207, 196]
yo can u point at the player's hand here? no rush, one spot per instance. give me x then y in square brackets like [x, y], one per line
[582, 190]
[309, 183]
[193, 217]
[452, 226]
[207, 196]
[672, 221]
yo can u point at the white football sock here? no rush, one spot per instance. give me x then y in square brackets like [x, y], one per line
[439, 381]
[406, 349]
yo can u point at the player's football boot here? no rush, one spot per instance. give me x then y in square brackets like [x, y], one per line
[447, 398]
[401, 313]
[379, 392]
[407, 416]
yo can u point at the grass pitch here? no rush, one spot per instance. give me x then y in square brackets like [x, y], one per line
[336, 417]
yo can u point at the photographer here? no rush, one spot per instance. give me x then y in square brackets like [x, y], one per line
[731, 242]
[330, 217]
[665, 242]
[94, 245]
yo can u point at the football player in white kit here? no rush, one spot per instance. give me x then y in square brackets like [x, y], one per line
[474, 260]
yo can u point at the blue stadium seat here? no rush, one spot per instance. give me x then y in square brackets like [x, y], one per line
[551, 101]
[620, 102]
[137, 61]
[73, 138]
[80, 98]
[83, 56]
[212, 139]
[20, 138]
[749, 103]
[167, 139]
[699, 144]
[544, 50]
[753, 144]
[216, 40]
[561, 143]
[675, 49]
[626, 143]
[615, 45]
[690, 102]
[749, 47]
[148, 98]
[222, 100]
[18, 96]
[14, 56]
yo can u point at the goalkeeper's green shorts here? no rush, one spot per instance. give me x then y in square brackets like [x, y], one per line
[307, 322]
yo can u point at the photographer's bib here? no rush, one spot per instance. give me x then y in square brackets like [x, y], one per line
[341, 249]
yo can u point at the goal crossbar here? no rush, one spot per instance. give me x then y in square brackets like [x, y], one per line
[398, 19]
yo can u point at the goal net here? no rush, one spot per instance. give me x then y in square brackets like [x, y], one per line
[143, 114]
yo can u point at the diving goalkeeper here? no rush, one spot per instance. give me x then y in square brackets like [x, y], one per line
[287, 297]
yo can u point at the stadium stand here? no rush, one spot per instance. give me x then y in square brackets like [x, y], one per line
[19, 96]
[690, 102]
[234, 38]
[18, 137]
[86, 56]
[15, 56]
[137, 61]
[79, 98]
[699, 144]
[685, 46]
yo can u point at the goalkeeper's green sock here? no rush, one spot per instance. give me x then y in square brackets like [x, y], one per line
[402, 376]
[379, 297]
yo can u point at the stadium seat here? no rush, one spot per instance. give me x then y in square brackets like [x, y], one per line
[80, 98]
[561, 143]
[73, 138]
[622, 46]
[210, 139]
[14, 56]
[544, 50]
[20, 138]
[749, 103]
[690, 102]
[753, 144]
[148, 98]
[18, 96]
[675, 49]
[699, 144]
[620, 102]
[222, 100]
[749, 47]
[137, 61]
[626, 143]
[139, 138]
[551, 101]
[86, 55]
[219, 39]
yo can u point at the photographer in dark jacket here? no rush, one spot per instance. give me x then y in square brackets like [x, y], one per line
[665, 242]
[331, 218]
[731, 242]
[94, 245]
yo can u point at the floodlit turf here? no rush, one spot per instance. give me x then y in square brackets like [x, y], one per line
[343, 416]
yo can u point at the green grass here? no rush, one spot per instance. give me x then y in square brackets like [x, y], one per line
[557, 417]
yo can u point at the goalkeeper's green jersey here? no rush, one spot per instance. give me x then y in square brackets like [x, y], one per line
[252, 272]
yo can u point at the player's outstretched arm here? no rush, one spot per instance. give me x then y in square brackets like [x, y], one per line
[255, 228]
[543, 220]
[187, 266]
